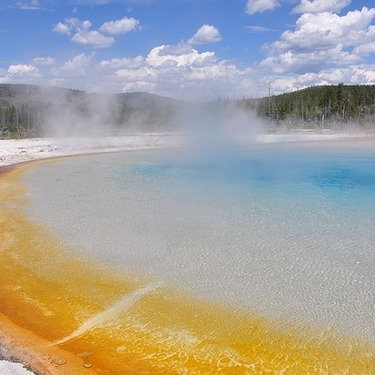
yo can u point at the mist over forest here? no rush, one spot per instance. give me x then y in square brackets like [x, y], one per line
[30, 111]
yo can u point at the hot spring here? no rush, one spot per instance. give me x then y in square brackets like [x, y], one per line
[241, 261]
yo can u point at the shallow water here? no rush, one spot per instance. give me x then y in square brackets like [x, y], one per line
[219, 261]
[282, 232]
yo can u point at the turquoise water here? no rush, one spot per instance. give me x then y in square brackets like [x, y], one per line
[287, 232]
[328, 170]
[342, 179]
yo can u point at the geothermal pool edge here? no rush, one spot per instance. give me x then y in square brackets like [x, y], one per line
[30, 349]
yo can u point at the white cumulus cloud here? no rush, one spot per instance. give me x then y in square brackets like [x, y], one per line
[82, 33]
[355, 75]
[206, 34]
[43, 61]
[125, 62]
[321, 39]
[29, 5]
[70, 25]
[177, 71]
[319, 6]
[93, 39]
[122, 26]
[366, 48]
[62, 28]
[75, 67]
[161, 54]
[260, 6]
[23, 70]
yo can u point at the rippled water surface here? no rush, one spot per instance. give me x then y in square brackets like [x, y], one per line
[285, 232]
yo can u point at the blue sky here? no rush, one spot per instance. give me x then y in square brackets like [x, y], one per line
[188, 49]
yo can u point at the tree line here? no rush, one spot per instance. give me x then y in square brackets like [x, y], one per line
[319, 107]
[27, 110]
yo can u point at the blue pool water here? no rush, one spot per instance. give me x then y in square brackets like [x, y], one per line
[344, 179]
[329, 172]
[285, 231]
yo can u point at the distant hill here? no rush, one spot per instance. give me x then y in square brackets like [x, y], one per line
[28, 110]
[143, 111]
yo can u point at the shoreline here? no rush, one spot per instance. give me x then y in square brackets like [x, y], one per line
[21, 346]
[18, 353]
[14, 152]
[24, 353]
[18, 345]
